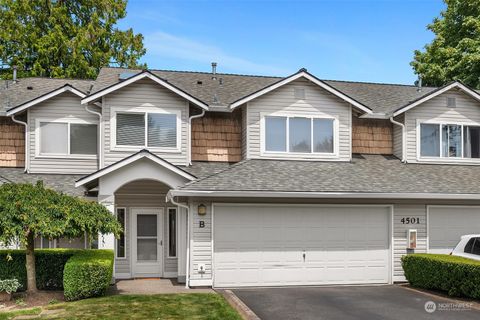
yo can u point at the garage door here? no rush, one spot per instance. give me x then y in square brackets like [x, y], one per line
[299, 245]
[447, 224]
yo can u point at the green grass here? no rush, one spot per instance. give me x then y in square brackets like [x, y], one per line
[12, 314]
[197, 306]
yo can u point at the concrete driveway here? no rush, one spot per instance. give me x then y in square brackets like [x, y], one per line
[369, 303]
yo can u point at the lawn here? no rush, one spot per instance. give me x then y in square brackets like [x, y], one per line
[166, 306]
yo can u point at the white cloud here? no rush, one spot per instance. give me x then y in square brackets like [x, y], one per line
[162, 44]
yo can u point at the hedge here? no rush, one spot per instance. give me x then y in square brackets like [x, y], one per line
[455, 275]
[88, 274]
[49, 264]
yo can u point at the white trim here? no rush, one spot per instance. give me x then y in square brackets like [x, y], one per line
[68, 155]
[145, 111]
[427, 229]
[122, 275]
[306, 155]
[442, 159]
[201, 283]
[212, 226]
[168, 232]
[52, 94]
[132, 159]
[142, 75]
[391, 236]
[324, 195]
[306, 75]
[459, 85]
[124, 233]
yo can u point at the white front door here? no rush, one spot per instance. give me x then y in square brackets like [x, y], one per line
[147, 242]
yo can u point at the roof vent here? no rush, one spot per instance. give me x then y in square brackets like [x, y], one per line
[451, 102]
[29, 88]
[299, 93]
[199, 82]
[418, 84]
[125, 75]
[214, 71]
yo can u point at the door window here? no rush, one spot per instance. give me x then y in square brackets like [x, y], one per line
[147, 237]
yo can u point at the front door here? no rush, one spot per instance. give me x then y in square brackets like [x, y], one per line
[147, 242]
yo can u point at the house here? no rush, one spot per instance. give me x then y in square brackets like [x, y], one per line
[230, 180]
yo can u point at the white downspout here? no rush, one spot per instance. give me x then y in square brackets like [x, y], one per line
[27, 156]
[99, 140]
[404, 143]
[189, 152]
[170, 198]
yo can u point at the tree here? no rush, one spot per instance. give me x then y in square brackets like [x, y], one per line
[29, 211]
[61, 38]
[454, 53]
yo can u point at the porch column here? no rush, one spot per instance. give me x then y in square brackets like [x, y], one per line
[107, 241]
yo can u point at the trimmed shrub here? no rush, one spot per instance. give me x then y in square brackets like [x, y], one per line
[455, 275]
[49, 264]
[88, 274]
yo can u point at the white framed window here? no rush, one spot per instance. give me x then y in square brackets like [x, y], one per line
[120, 250]
[66, 138]
[172, 232]
[153, 129]
[448, 141]
[285, 134]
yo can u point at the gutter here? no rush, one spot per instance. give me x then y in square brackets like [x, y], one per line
[170, 198]
[189, 151]
[27, 156]
[325, 195]
[404, 137]
[100, 158]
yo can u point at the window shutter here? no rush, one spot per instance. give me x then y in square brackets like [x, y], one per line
[130, 129]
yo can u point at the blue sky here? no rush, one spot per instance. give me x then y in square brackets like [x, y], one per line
[344, 40]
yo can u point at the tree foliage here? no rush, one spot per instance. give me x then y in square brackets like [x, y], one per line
[62, 38]
[454, 53]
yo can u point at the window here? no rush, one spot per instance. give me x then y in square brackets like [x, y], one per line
[121, 215]
[299, 134]
[449, 141]
[157, 130]
[476, 247]
[65, 138]
[172, 232]
[469, 246]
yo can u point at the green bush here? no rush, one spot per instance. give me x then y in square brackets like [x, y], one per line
[9, 285]
[455, 275]
[88, 274]
[49, 264]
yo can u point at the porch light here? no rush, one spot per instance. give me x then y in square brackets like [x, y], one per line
[202, 209]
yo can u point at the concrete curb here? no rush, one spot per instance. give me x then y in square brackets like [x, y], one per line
[245, 312]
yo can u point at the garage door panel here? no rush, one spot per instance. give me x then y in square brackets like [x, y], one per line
[339, 245]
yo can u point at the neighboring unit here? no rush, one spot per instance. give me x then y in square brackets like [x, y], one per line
[230, 180]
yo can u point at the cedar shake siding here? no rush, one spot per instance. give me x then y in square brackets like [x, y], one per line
[217, 137]
[372, 136]
[12, 143]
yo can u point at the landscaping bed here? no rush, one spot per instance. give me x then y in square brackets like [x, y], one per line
[456, 276]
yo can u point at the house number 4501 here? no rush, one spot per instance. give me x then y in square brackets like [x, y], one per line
[410, 220]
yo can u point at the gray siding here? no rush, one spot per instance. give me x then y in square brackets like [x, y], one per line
[466, 112]
[148, 95]
[200, 245]
[317, 102]
[398, 137]
[143, 193]
[66, 105]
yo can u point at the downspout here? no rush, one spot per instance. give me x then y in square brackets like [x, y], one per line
[99, 141]
[27, 156]
[403, 137]
[170, 198]
[189, 152]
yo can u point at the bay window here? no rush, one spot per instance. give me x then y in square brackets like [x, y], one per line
[145, 129]
[449, 141]
[299, 134]
[58, 138]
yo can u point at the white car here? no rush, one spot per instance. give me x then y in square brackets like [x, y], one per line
[468, 247]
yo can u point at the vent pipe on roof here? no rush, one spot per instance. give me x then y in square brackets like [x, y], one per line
[418, 83]
[214, 70]
[14, 74]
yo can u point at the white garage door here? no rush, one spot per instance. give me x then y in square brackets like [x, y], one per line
[259, 245]
[447, 224]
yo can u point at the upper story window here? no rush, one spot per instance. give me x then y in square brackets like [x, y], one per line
[147, 130]
[66, 138]
[299, 134]
[449, 141]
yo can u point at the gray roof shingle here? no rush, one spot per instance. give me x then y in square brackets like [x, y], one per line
[60, 182]
[365, 173]
[26, 89]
